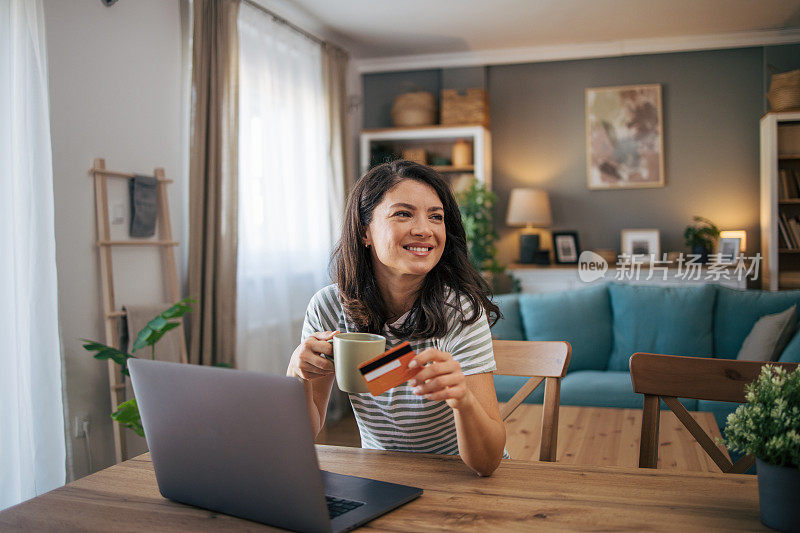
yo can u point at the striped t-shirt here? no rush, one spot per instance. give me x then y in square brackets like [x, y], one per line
[399, 419]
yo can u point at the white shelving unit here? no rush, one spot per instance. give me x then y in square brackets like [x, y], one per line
[780, 149]
[554, 278]
[436, 140]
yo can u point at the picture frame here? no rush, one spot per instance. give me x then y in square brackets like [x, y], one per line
[565, 247]
[624, 137]
[641, 244]
[729, 249]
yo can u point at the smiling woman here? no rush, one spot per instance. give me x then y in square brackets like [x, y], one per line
[401, 271]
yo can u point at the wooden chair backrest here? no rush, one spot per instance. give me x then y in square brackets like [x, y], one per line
[669, 377]
[540, 361]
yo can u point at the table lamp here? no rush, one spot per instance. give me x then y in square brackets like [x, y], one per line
[530, 208]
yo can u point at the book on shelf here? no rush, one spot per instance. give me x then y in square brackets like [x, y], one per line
[782, 244]
[794, 227]
[794, 177]
[788, 184]
[785, 230]
[783, 185]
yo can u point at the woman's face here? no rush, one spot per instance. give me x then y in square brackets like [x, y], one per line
[407, 234]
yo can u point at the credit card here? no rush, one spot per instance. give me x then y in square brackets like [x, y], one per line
[389, 369]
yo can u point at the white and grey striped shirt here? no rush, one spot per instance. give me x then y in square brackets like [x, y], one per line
[398, 419]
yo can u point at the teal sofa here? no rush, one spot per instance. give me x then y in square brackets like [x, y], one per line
[606, 324]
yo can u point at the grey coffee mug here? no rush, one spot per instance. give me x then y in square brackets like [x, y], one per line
[349, 351]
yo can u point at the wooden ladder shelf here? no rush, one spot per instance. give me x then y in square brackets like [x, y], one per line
[104, 247]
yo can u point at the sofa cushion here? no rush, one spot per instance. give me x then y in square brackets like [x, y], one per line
[769, 336]
[665, 320]
[508, 328]
[791, 354]
[721, 411]
[737, 311]
[581, 317]
[605, 389]
[507, 386]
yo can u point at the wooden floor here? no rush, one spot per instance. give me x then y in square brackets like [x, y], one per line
[594, 436]
[341, 433]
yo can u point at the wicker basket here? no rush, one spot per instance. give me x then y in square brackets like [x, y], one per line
[414, 109]
[784, 91]
[465, 107]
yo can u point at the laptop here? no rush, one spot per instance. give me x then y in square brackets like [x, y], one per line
[240, 443]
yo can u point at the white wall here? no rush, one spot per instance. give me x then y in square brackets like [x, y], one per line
[116, 87]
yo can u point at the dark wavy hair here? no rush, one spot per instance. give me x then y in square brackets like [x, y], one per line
[352, 268]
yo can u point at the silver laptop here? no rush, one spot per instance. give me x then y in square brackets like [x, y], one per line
[241, 443]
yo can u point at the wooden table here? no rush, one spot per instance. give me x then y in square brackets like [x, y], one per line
[601, 436]
[521, 495]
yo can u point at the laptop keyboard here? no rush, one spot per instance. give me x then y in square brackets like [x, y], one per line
[339, 506]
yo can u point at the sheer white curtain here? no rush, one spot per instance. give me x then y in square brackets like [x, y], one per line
[287, 219]
[32, 448]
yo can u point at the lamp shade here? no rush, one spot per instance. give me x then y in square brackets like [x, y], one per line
[529, 207]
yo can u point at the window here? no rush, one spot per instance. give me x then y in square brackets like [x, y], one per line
[286, 211]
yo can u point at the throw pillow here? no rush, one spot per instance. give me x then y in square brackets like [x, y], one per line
[769, 336]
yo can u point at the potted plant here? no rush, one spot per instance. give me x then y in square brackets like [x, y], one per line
[701, 237]
[768, 427]
[127, 412]
[476, 203]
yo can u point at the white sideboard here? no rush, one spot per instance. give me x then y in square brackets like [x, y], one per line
[553, 278]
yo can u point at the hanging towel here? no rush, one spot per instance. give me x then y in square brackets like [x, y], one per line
[144, 205]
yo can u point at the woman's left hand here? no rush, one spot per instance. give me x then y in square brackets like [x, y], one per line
[441, 380]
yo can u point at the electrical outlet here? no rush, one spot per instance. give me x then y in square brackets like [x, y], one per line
[77, 427]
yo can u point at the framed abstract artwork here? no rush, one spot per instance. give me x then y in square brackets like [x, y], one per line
[624, 137]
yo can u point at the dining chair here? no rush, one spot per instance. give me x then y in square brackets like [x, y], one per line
[669, 377]
[540, 361]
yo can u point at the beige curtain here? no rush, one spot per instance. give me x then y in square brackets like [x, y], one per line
[334, 79]
[213, 182]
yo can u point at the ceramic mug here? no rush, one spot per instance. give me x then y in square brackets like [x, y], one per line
[349, 351]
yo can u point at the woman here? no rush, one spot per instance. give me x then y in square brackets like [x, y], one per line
[401, 271]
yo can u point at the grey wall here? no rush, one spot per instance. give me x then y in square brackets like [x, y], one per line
[115, 78]
[712, 103]
[711, 109]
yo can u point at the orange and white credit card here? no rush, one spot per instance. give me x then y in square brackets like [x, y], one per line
[389, 369]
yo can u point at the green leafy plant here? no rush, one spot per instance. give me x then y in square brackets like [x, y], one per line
[768, 425]
[703, 233]
[127, 412]
[476, 203]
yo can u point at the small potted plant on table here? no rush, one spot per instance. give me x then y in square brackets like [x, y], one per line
[768, 427]
[701, 237]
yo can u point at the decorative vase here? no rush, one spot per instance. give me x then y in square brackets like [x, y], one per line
[779, 496]
[702, 251]
[462, 153]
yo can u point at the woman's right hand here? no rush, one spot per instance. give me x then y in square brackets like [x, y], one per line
[307, 362]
